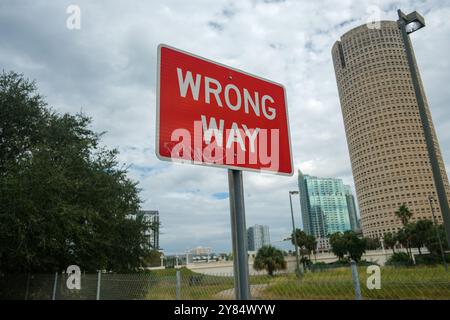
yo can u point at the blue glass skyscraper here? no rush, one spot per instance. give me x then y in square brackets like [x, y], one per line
[324, 205]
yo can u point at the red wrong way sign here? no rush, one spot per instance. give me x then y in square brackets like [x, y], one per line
[215, 115]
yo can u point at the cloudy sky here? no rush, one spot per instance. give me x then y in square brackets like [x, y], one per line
[107, 69]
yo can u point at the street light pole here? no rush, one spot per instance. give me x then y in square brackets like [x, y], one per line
[430, 199]
[293, 231]
[414, 21]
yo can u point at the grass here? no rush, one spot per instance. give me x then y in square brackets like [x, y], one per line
[396, 283]
[193, 285]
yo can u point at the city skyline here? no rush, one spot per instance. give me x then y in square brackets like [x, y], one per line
[107, 69]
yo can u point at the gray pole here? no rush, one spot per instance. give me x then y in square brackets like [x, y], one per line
[295, 238]
[28, 286]
[355, 278]
[430, 198]
[437, 175]
[54, 286]
[238, 235]
[178, 285]
[99, 279]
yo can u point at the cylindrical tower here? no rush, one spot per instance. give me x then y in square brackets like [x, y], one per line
[385, 137]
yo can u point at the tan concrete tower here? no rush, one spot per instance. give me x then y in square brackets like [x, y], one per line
[385, 137]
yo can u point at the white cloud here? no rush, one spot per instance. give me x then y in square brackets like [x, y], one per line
[108, 69]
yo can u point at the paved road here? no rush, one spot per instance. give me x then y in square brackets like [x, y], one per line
[219, 269]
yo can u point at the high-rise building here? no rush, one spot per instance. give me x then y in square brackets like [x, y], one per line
[258, 236]
[152, 235]
[324, 207]
[351, 206]
[385, 136]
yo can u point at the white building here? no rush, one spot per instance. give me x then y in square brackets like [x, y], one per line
[199, 251]
[323, 244]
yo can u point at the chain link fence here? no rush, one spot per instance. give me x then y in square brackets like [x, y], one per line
[344, 282]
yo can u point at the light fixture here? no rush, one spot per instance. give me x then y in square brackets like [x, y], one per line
[413, 26]
[413, 21]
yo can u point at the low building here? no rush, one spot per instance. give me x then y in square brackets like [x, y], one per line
[323, 245]
[199, 251]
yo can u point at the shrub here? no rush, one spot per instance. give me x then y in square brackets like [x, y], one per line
[431, 259]
[399, 258]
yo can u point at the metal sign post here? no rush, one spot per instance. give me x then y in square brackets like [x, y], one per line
[239, 235]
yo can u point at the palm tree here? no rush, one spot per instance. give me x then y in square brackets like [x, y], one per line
[270, 259]
[402, 238]
[390, 240]
[311, 245]
[404, 214]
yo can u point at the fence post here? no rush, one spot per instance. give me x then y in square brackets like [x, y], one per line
[178, 288]
[27, 286]
[99, 277]
[54, 286]
[355, 279]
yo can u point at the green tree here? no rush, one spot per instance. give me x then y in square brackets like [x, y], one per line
[420, 231]
[405, 235]
[270, 259]
[403, 238]
[404, 214]
[64, 199]
[338, 245]
[390, 240]
[347, 243]
[301, 238]
[307, 244]
[356, 246]
[153, 258]
[311, 245]
[372, 243]
[432, 242]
